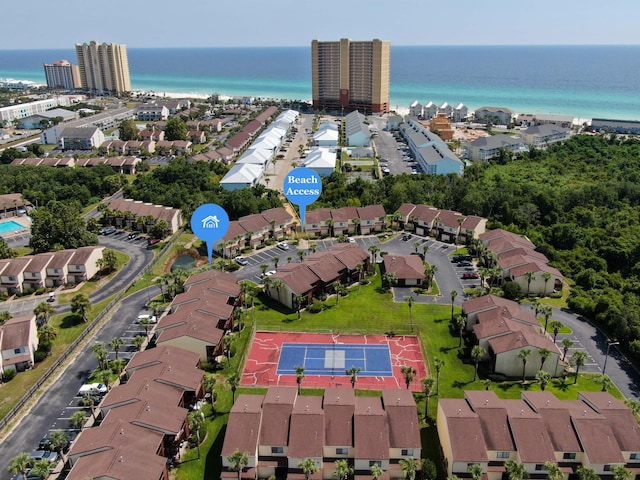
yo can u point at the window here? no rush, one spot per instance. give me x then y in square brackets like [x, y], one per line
[634, 456]
[503, 454]
[569, 456]
[17, 351]
[375, 462]
[277, 450]
[608, 468]
[540, 466]
[342, 451]
[407, 452]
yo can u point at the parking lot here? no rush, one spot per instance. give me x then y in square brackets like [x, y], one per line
[391, 153]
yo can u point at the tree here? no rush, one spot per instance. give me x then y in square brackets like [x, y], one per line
[621, 473]
[454, 294]
[105, 377]
[101, 354]
[278, 284]
[567, 343]
[109, 260]
[116, 344]
[475, 471]
[80, 304]
[195, 420]
[409, 373]
[439, 363]
[43, 312]
[376, 471]
[237, 461]
[409, 467]
[227, 342]
[553, 471]
[263, 267]
[585, 473]
[515, 470]
[58, 225]
[57, 440]
[578, 359]
[118, 365]
[353, 372]
[89, 399]
[343, 470]
[543, 377]
[78, 419]
[633, 405]
[477, 354]
[5, 250]
[42, 468]
[176, 129]
[460, 323]
[524, 355]
[340, 289]
[530, 276]
[298, 300]
[138, 341]
[389, 280]
[19, 464]
[544, 354]
[233, 380]
[46, 335]
[374, 249]
[409, 301]
[547, 311]
[546, 276]
[487, 383]
[427, 388]
[299, 377]
[555, 327]
[429, 470]
[308, 466]
[128, 130]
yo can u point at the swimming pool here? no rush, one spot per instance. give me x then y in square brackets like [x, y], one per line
[10, 226]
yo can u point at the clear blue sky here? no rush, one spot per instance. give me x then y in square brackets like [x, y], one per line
[209, 23]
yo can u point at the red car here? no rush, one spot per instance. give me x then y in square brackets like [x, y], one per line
[470, 275]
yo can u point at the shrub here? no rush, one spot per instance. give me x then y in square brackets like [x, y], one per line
[8, 375]
[39, 356]
[40, 291]
[315, 307]
[511, 290]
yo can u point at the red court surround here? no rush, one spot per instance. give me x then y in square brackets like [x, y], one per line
[261, 366]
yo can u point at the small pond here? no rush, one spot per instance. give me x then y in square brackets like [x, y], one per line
[184, 262]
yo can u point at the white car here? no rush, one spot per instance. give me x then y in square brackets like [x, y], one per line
[269, 273]
[351, 240]
[151, 318]
[283, 246]
[92, 388]
[240, 260]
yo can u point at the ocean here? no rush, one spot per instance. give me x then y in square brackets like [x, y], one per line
[583, 81]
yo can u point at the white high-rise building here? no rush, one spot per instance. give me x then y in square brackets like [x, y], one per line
[104, 68]
[62, 74]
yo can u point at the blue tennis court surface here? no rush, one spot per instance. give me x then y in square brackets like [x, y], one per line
[335, 359]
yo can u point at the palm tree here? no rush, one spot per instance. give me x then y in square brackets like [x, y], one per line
[300, 254]
[78, 419]
[415, 247]
[530, 276]
[543, 377]
[409, 301]
[486, 383]
[553, 471]
[42, 468]
[237, 461]
[524, 355]
[299, 377]
[454, 294]
[146, 324]
[515, 470]
[276, 261]
[633, 405]
[477, 354]
[427, 388]
[585, 473]
[374, 253]
[105, 377]
[118, 365]
[425, 249]
[475, 471]
[298, 299]
[343, 470]
[80, 304]
[439, 363]
[263, 267]
[233, 380]
[555, 327]
[101, 354]
[544, 354]
[621, 473]
[409, 373]
[536, 305]
[546, 276]
[547, 311]
[340, 289]
[606, 382]
[409, 468]
[461, 323]
[88, 399]
[278, 284]
[138, 341]
[43, 311]
[578, 359]
[227, 342]
[116, 344]
[19, 464]
[58, 439]
[308, 466]
[195, 420]
[376, 471]
[353, 371]
[46, 335]
[567, 343]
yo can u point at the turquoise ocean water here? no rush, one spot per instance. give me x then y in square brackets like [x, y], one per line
[584, 81]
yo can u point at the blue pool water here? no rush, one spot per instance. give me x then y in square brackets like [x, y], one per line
[10, 226]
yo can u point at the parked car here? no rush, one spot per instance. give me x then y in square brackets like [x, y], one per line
[240, 260]
[132, 235]
[36, 456]
[109, 231]
[92, 388]
[351, 240]
[465, 263]
[470, 275]
[406, 237]
[151, 318]
[46, 443]
[461, 258]
[283, 246]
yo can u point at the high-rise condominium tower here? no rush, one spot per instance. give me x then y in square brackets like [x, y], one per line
[349, 75]
[104, 68]
[62, 74]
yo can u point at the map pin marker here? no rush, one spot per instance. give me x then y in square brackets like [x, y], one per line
[302, 187]
[210, 223]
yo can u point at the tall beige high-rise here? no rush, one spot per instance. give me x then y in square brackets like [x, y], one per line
[351, 75]
[104, 68]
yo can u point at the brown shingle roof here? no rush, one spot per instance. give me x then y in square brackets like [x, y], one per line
[339, 406]
[276, 415]
[371, 429]
[403, 418]
[16, 331]
[244, 425]
[306, 434]
[405, 267]
[465, 431]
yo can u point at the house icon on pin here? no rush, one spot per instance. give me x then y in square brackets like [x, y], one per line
[210, 221]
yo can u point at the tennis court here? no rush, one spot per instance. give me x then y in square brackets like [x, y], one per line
[326, 358]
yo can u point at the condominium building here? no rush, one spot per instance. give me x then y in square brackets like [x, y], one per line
[351, 75]
[62, 74]
[104, 68]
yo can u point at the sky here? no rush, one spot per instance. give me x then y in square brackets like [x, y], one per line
[252, 23]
